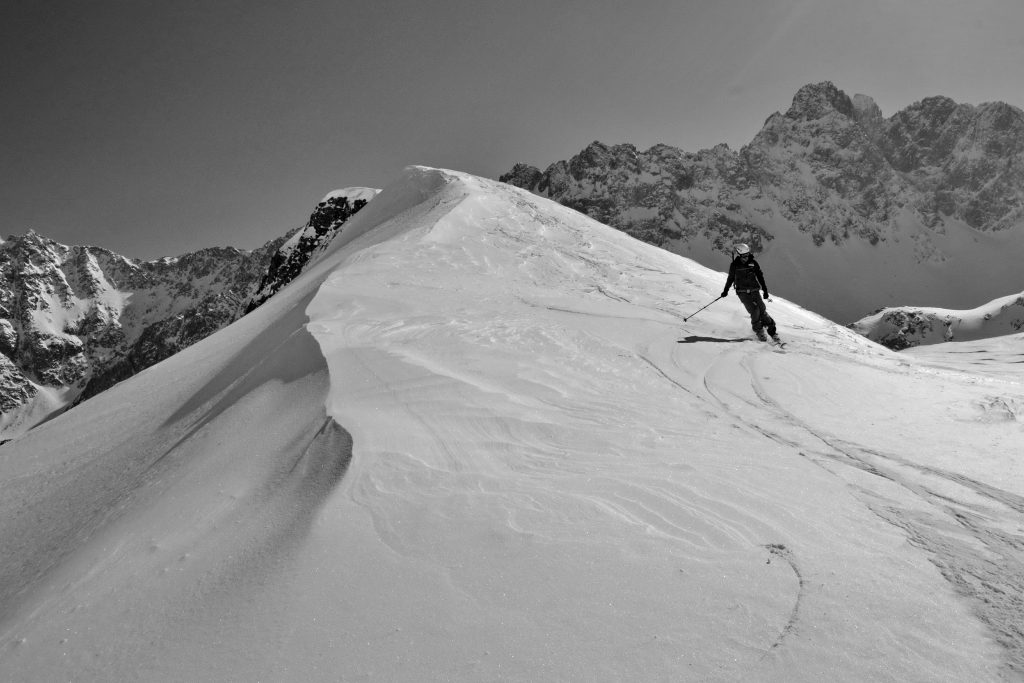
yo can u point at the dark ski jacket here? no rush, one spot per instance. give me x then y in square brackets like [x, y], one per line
[746, 275]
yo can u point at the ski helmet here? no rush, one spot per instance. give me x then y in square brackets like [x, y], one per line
[741, 249]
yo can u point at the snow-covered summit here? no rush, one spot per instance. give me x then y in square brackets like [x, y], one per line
[475, 440]
[352, 194]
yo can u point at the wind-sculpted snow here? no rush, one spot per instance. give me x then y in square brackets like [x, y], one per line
[476, 441]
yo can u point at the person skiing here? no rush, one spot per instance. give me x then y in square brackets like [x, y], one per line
[745, 272]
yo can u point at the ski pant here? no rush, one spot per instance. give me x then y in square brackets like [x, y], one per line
[754, 304]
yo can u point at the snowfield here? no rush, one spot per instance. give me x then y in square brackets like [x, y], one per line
[476, 441]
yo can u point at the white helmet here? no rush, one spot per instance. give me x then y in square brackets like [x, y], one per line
[741, 249]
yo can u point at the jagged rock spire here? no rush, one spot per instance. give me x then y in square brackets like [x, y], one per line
[816, 100]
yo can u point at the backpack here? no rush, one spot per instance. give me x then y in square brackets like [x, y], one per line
[746, 275]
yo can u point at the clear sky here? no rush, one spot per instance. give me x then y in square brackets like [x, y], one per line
[156, 128]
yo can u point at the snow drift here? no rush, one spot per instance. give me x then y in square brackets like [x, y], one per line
[475, 441]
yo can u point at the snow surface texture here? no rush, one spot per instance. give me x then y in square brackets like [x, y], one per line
[905, 326]
[475, 441]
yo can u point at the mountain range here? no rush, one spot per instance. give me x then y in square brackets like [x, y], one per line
[848, 211]
[78, 319]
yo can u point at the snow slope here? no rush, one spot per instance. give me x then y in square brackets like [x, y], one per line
[475, 441]
[1001, 357]
[906, 326]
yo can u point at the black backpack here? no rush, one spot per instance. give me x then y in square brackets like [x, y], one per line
[746, 274]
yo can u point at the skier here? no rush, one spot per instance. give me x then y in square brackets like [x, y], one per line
[745, 272]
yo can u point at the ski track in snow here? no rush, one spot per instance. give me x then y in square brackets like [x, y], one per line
[731, 382]
[973, 531]
[606, 297]
[786, 555]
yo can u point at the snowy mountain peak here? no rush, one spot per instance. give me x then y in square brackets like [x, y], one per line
[30, 244]
[352, 194]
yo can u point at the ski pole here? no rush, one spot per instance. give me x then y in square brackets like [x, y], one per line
[685, 318]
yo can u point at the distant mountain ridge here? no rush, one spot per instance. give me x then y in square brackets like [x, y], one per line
[849, 210]
[907, 326]
[75, 320]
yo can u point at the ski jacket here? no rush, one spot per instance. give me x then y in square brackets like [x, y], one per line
[746, 275]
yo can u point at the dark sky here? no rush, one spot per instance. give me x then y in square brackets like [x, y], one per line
[156, 128]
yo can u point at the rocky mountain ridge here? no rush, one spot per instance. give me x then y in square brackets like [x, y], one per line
[299, 249]
[907, 326]
[849, 211]
[74, 320]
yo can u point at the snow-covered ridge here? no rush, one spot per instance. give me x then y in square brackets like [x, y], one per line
[439, 451]
[905, 326]
[352, 194]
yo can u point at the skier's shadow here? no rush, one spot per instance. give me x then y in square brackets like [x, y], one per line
[693, 339]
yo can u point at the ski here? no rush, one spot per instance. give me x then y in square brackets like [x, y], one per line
[776, 345]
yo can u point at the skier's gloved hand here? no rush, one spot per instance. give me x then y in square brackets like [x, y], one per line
[766, 294]
[724, 294]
